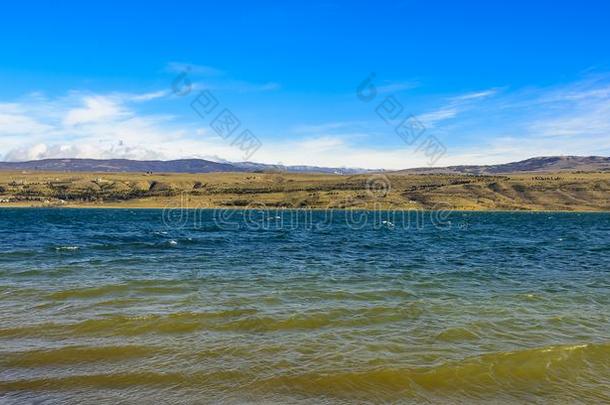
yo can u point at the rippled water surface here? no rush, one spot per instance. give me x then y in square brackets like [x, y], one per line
[114, 306]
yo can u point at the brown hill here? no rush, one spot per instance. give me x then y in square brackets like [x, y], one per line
[548, 164]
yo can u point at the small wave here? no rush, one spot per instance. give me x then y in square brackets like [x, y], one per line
[44, 272]
[356, 295]
[123, 325]
[89, 292]
[76, 354]
[122, 380]
[340, 317]
[457, 334]
[141, 287]
[66, 248]
[558, 369]
[18, 254]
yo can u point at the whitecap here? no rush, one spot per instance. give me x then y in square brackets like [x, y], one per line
[59, 248]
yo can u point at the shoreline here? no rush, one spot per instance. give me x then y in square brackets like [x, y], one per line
[159, 208]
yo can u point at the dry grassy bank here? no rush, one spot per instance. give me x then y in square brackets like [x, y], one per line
[548, 191]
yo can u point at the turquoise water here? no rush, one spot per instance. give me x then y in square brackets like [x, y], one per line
[136, 306]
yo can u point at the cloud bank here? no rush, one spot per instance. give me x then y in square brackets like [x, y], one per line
[478, 127]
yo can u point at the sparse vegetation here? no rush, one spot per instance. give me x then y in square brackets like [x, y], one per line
[551, 191]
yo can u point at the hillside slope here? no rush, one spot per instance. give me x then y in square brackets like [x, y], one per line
[557, 191]
[538, 164]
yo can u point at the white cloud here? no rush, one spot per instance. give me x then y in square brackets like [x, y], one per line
[150, 96]
[483, 127]
[476, 95]
[11, 124]
[593, 122]
[442, 114]
[95, 109]
[455, 106]
[83, 125]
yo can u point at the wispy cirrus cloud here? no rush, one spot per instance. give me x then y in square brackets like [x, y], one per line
[153, 95]
[442, 114]
[501, 125]
[574, 117]
[454, 106]
[211, 78]
[234, 86]
[475, 95]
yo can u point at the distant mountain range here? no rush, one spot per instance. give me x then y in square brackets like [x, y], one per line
[537, 164]
[163, 166]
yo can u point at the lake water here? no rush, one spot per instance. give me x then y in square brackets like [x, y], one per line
[138, 306]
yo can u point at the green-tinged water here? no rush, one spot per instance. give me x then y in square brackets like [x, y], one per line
[119, 306]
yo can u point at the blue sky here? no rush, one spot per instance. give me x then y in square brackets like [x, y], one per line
[491, 81]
